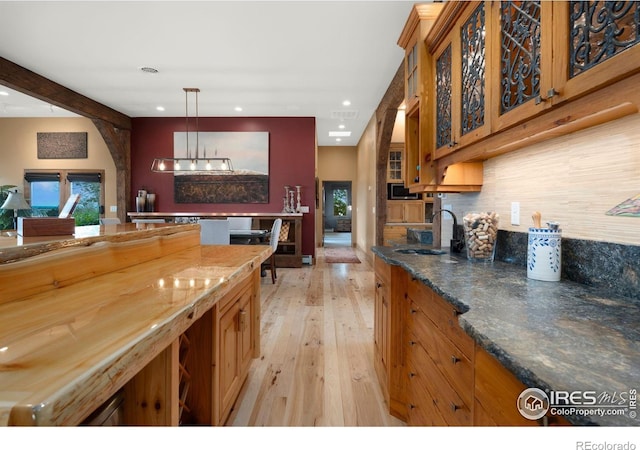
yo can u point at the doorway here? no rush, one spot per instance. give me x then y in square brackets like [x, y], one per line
[336, 214]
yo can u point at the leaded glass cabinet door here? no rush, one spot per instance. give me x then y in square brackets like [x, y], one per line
[522, 32]
[472, 73]
[596, 43]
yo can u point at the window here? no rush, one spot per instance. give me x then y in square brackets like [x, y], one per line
[48, 190]
[340, 202]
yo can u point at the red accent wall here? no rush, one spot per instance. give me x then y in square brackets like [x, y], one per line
[292, 143]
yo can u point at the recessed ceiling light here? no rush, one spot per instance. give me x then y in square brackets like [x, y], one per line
[149, 69]
[338, 140]
[238, 108]
[341, 126]
[5, 93]
[160, 108]
[346, 103]
[339, 133]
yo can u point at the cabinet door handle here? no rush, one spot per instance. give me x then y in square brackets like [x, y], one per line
[378, 285]
[413, 311]
[412, 343]
[243, 319]
[454, 407]
[412, 374]
[411, 406]
[452, 144]
[454, 359]
[550, 94]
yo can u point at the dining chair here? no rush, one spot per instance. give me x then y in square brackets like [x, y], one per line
[214, 231]
[270, 264]
[239, 223]
[109, 221]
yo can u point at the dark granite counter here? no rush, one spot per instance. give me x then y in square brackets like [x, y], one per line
[556, 336]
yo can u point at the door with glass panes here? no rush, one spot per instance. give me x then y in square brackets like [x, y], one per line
[48, 190]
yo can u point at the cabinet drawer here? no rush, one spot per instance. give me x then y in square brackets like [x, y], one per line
[497, 391]
[382, 269]
[450, 405]
[456, 367]
[442, 313]
[421, 409]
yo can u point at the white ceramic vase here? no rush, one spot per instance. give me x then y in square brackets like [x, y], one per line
[544, 254]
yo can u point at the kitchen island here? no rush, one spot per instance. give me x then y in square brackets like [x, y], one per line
[555, 336]
[146, 312]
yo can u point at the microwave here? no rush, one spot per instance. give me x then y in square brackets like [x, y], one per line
[397, 191]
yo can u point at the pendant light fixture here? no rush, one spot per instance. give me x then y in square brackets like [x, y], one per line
[193, 163]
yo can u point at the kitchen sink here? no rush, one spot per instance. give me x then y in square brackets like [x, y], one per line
[420, 251]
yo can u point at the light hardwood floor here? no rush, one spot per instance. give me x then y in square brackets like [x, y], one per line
[316, 364]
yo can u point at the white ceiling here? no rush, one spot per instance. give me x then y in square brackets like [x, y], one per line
[286, 58]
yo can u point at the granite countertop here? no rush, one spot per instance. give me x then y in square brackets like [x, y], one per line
[560, 336]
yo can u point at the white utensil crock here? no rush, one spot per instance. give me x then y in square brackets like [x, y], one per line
[544, 254]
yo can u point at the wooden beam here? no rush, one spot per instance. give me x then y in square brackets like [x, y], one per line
[114, 127]
[119, 144]
[385, 119]
[23, 80]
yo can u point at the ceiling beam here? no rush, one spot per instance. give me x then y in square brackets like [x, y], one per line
[30, 83]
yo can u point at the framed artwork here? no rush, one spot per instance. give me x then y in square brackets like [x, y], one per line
[240, 167]
[62, 145]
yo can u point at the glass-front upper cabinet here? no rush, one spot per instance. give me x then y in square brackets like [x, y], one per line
[522, 32]
[461, 88]
[550, 52]
[596, 44]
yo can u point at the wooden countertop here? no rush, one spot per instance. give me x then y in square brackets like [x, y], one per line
[65, 351]
[14, 248]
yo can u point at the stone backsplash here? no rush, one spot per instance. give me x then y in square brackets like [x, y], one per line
[615, 267]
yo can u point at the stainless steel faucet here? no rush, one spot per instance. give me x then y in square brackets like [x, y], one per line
[456, 244]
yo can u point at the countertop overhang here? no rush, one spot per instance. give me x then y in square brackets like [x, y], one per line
[556, 336]
[64, 351]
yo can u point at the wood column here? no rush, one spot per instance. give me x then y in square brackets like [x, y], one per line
[385, 120]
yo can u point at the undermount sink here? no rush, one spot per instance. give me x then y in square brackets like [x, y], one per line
[420, 251]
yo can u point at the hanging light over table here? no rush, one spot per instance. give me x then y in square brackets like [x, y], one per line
[192, 163]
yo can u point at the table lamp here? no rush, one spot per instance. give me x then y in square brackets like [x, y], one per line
[15, 201]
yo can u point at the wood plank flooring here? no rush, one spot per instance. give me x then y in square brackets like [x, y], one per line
[316, 364]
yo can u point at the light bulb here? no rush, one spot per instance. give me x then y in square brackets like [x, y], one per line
[161, 166]
[177, 165]
[223, 166]
[208, 166]
[193, 165]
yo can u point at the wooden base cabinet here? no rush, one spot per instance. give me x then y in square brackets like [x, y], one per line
[389, 312]
[222, 344]
[440, 355]
[235, 350]
[431, 371]
[496, 394]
